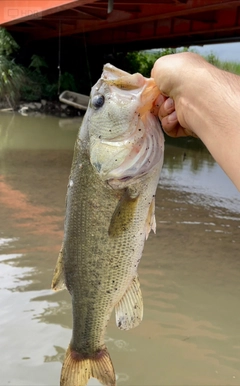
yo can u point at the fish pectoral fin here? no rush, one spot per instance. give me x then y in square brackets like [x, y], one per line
[78, 369]
[58, 282]
[150, 221]
[123, 215]
[129, 310]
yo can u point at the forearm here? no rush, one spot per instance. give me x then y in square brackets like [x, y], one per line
[204, 101]
[213, 113]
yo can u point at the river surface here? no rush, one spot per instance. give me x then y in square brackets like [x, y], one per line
[189, 272]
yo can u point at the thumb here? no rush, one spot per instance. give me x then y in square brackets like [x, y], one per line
[164, 74]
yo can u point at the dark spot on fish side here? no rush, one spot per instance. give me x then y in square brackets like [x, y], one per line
[119, 324]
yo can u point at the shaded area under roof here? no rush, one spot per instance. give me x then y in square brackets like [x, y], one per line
[133, 24]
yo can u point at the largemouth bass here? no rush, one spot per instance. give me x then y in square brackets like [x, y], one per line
[110, 207]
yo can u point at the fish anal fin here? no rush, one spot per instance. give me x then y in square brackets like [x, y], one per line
[150, 221]
[78, 369]
[129, 310]
[58, 275]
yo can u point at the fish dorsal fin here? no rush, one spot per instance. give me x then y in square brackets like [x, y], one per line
[129, 311]
[150, 221]
[58, 282]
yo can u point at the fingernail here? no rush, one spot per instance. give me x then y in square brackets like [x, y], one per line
[169, 104]
[172, 117]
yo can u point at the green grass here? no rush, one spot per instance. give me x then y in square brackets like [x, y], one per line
[233, 67]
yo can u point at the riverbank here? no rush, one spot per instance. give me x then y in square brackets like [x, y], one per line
[54, 108]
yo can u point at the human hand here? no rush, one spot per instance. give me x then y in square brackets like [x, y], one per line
[176, 76]
[199, 99]
[169, 120]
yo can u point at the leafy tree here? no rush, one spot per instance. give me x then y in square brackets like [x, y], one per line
[39, 86]
[8, 45]
[67, 82]
[11, 75]
[37, 63]
[143, 61]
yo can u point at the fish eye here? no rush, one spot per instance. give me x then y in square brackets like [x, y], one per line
[97, 101]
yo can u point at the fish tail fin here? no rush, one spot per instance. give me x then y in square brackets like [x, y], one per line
[78, 369]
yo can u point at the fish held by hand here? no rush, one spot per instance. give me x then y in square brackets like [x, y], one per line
[110, 207]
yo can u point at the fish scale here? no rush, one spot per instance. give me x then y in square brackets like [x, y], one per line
[78, 244]
[109, 214]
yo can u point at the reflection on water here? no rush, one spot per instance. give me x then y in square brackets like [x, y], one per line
[189, 273]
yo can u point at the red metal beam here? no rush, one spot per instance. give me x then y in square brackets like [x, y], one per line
[15, 11]
[131, 21]
[119, 19]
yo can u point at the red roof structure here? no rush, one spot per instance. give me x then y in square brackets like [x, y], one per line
[136, 24]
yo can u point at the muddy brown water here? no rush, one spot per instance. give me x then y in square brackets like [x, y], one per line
[189, 272]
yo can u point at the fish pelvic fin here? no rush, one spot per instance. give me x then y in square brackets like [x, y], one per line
[129, 310]
[77, 369]
[58, 281]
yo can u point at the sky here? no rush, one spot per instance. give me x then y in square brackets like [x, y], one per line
[228, 51]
